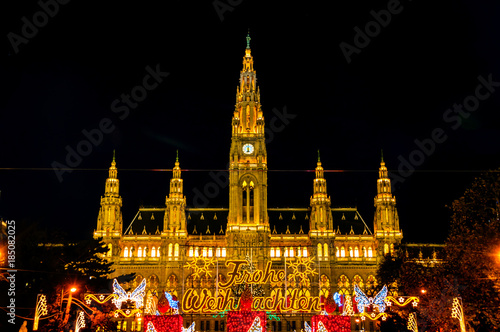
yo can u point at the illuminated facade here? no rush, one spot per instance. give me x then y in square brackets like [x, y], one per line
[160, 243]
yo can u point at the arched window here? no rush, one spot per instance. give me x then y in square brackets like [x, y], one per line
[204, 252]
[356, 251]
[337, 251]
[153, 252]
[342, 251]
[278, 252]
[320, 250]
[196, 251]
[125, 252]
[139, 252]
[217, 252]
[364, 251]
[223, 252]
[304, 252]
[272, 252]
[325, 251]
[291, 252]
[370, 252]
[286, 251]
[176, 250]
[210, 252]
[191, 253]
[351, 252]
[170, 251]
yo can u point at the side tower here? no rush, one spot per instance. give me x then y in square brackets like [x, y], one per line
[109, 220]
[174, 222]
[248, 222]
[321, 214]
[386, 220]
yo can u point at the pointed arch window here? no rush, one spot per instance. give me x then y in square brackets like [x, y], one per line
[370, 252]
[153, 252]
[217, 252]
[304, 252]
[210, 252]
[272, 252]
[278, 252]
[196, 252]
[223, 252]
[176, 250]
[325, 249]
[356, 251]
[337, 251]
[320, 250]
[351, 252]
[204, 252]
[170, 251]
[342, 251]
[125, 252]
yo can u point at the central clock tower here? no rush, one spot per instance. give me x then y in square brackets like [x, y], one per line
[248, 222]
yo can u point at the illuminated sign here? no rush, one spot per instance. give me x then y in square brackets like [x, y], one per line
[301, 269]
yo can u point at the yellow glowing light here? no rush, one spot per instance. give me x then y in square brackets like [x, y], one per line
[201, 266]
[373, 316]
[301, 269]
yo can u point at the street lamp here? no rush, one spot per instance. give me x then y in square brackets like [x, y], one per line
[68, 305]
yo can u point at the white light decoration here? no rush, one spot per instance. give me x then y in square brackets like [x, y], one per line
[136, 296]
[321, 327]
[458, 312]
[307, 327]
[348, 310]
[150, 327]
[190, 328]
[173, 304]
[255, 327]
[41, 310]
[412, 322]
[365, 301]
[80, 322]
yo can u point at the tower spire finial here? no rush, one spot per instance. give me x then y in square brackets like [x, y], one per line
[114, 155]
[176, 156]
[381, 155]
[248, 39]
[318, 157]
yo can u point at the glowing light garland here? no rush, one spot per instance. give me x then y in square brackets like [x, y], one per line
[41, 310]
[304, 264]
[402, 301]
[373, 316]
[127, 313]
[99, 298]
[201, 266]
[80, 322]
[136, 296]
[412, 322]
[365, 301]
[458, 312]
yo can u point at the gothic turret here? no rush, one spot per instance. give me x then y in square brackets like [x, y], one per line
[321, 215]
[174, 223]
[386, 221]
[109, 220]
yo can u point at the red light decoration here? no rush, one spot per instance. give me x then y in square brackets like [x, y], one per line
[169, 323]
[241, 321]
[331, 323]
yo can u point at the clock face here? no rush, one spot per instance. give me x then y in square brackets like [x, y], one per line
[248, 149]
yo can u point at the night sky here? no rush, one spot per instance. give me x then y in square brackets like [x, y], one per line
[68, 77]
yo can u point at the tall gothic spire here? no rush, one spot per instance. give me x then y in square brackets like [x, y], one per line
[248, 118]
